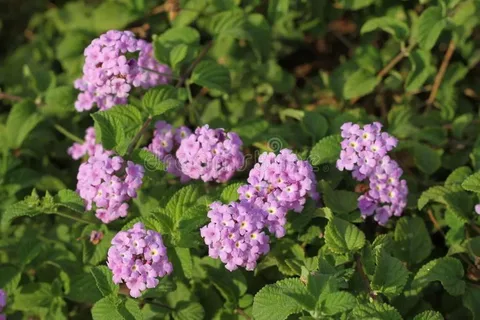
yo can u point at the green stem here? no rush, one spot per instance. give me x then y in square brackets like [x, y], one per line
[78, 219]
[137, 137]
[168, 75]
[67, 133]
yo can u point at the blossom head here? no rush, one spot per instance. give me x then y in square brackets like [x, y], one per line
[210, 154]
[278, 183]
[165, 142]
[138, 258]
[106, 186]
[235, 234]
[89, 147]
[109, 74]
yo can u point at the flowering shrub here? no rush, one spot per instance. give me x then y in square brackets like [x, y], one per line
[259, 160]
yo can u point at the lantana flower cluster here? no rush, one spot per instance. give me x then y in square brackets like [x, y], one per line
[165, 142]
[3, 303]
[107, 183]
[210, 154]
[88, 147]
[109, 72]
[235, 234]
[138, 257]
[364, 152]
[277, 184]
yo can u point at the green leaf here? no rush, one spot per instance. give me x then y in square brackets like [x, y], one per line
[375, 311]
[83, 288]
[165, 43]
[111, 307]
[231, 285]
[338, 302]
[60, 100]
[212, 75]
[22, 119]
[189, 311]
[177, 55]
[33, 295]
[436, 193]
[360, 83]
[427, 159]
[420, 69]
[326, 150]
[316, 124]
[343, 237]
[339, 201]
[275, 301]
[472, 183]
[10, 276]
[111, 15]
[230, 23]
[259, 34]
[150, 161]
[429, 315]
[398, 29]
[429, 27]
[413, 243]
[457, 177]
[116, 127]
[181, 201]
[354, 4]
[71, 200]
[103, 279]
[390, 275]
[448, 270]
[230, 192]
[156, 99]
[471, 300]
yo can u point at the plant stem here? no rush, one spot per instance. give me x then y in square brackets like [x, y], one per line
[194, 64]
[138, 136]
[402, 54]
[67, 133]
[73, 217]
[441, 73]
[7, 96]
[243, 314]
[359, 268]
[168, 75]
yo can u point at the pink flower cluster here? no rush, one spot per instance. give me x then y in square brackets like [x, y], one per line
[89, 147]
[3, 303]
[364, 152]
[278, 183]
[109, 73]
[210, 154]
[235, 234]
[108, 183]
[165, 142]
[138, 257]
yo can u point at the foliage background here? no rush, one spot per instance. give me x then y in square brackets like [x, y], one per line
[283, 74]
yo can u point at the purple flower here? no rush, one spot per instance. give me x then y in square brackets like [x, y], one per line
[138, 257]
[278, 183]
[165, 143]
[364, 152]
[96, 237]
[477, 208]
[89, 147]
[210, 154]
[106, 187]
[3, 299]
[108, 75]
[235, 234]
[363, 147]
